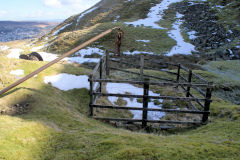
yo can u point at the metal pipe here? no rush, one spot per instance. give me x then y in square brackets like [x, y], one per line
[56, 60]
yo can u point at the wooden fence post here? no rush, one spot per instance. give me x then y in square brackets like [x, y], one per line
[141, 66]
[207, 104]
[189, 81]
[107, 63]
[100, 74]
[145, 102]
[178, 72]
[91, 95]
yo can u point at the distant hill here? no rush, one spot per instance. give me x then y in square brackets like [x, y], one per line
[14, 30]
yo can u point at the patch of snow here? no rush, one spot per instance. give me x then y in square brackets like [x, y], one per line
[137, 52]
[82, 60]
[83, 52]
[230, 31]
[230, 51]
[116, 19]
[14, 53]
[4, 48]
[89, 51]
[85, 13]
[122, 88]
[17, 72]
[182, 47]
[79, 56]
[229, 40]
[219, 6]
[48, 56]
[59, 30]
[192, 35]
[34, 49]
[145, 41]
[67, 82]
[154, 16]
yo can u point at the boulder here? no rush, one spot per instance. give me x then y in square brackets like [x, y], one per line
[34, 56]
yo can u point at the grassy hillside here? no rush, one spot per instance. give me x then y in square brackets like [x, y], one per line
[56, 126]
[102, 19]
[110, 13]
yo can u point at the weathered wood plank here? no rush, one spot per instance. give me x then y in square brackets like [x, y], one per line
[161, 62]
[145, 103]
[193, 96]
[91, 96]
[207, 104]
[151, 109]
[151, 83]
[184, 68]
[200, 78]
[150, 97]
[141, 66]
[150, 121]
[189, 81]
[145, 75]
[129, 64]
[160, 70]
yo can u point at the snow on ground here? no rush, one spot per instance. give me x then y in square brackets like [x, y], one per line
[89, 51]
[85, 13]
[34, 49]
[182, 47]
[81, 60]
[59, 30]
[14, 53]
[4, 48]
[17, 72]
[83, 52]
[67, 82]
[155, 15]
[192, 35]
[116, 19]
[137, 52]
[145, 41]
[121, 88]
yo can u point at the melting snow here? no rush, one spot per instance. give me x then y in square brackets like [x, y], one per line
[14, 53]
[155, 15]
[85, 13]
[145, 41]
[192, 35]
[48, 56]
[121, 88]
[17, 72]
[89, 51]
[182, 47]
[59, 30]
[4, 48]
[67, 82]
[137, 52]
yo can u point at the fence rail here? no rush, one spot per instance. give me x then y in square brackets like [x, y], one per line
[105, 67]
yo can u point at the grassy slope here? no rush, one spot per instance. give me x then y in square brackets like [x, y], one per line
[57, 126]
[102, 19]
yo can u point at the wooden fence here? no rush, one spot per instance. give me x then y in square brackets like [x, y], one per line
[193, 81]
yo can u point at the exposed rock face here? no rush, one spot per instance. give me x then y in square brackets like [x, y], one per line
[34, 56]
[209, 34]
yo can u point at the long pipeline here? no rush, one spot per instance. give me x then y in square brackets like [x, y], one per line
[56, 60]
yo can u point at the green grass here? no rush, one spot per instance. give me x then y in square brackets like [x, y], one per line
[159, 40]
[57, 127]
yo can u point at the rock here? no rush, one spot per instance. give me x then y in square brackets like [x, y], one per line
[34, 56]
